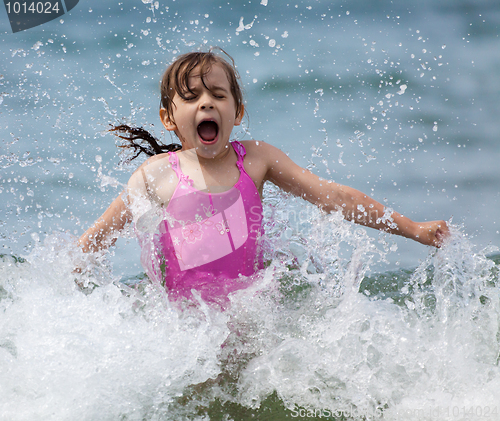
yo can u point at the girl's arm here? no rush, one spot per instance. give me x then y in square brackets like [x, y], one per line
[102, 233]
[355, 205]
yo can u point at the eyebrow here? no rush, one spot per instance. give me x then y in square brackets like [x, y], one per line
[217, 88]
[210, 88]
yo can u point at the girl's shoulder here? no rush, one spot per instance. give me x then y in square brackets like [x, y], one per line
[255, 146]
[258, 150]
[250, 143]
[259, 160]
[163, 157]
[149, 167]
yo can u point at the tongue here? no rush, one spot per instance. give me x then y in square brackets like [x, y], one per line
[207, 130]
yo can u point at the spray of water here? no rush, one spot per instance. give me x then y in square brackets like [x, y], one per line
[317, 331]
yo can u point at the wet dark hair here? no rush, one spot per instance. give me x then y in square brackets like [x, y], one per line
[141, 141]
[175, 80]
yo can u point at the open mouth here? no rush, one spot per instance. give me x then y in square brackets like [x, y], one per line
[208, 131]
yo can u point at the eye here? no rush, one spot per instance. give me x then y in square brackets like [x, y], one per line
[189, 94]
[219, 93]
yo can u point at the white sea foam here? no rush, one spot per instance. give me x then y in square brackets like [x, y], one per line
[305, 331]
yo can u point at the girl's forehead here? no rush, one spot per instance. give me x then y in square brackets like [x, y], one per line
[215, 75]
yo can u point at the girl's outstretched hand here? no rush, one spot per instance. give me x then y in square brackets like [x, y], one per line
[432, 233]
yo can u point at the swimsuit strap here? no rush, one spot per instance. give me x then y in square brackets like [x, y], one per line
[174, 161]
[241, 152]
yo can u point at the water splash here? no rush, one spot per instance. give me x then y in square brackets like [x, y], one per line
[316, 331]
[117, 352]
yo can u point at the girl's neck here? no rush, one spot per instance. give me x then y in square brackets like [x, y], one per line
[216, 160]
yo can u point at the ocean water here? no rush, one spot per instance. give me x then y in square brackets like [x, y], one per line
[396, 99]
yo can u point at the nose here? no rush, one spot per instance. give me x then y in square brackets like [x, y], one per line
[206, 102]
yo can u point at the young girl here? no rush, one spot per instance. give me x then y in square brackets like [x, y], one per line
[197, 206]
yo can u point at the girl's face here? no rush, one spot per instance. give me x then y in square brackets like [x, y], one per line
[204, 121]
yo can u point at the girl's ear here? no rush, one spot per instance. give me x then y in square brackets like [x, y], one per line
[240, 116]
[167, 122]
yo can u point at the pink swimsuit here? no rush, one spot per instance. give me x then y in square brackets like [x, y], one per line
[206, 240]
